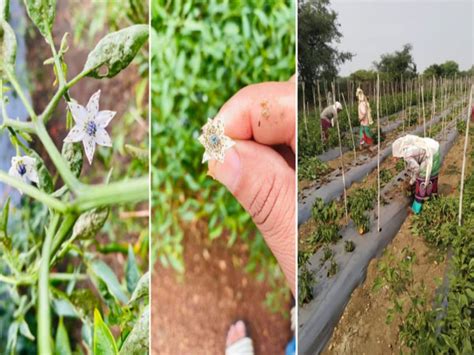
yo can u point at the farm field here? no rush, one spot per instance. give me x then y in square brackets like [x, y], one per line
[397, 273]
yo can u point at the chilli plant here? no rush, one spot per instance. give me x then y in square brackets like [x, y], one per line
[60, 215]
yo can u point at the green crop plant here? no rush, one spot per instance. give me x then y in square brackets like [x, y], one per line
[239, 44]
[49, 246]
[306, 283]
[349, 246]
[311, 168]
[326, 217]
[359, 202]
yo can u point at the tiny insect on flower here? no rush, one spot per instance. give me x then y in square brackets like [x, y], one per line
[214, 140]
[90, 125]
[24, 168]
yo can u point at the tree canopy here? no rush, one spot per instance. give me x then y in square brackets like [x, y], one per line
[318, 32]
[448, 69]
[397, 63]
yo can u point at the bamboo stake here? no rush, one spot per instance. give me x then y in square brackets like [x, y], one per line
[463, 169]
[316, 113]
[350, 126]
[423, 106]
[433, 105]
[378, 153]
[341, 157]
[304, 113]
[403, 104]
[411, 101]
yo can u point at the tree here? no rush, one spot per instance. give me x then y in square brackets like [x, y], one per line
[397, 63]
[363, 75]
[318, 31]
[433, 70]
[450, 68]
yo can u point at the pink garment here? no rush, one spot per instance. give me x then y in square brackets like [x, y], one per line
[363, 113]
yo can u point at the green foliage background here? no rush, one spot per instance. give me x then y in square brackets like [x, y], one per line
[202, 53]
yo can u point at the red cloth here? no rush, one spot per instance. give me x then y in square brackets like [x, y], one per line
[367, 139]
[472, 114]
[326, 124]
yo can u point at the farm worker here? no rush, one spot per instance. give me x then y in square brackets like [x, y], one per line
[327, 118]
[260, 177]
[365, 119]
[423, 160]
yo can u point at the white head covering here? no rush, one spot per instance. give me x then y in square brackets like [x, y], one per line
[401, 149]
[360, 94]
[338, 105]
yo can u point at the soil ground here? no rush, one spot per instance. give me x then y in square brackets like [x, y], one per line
[362, 328]
[191, 313]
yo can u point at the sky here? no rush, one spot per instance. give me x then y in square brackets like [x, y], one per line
[438, 30]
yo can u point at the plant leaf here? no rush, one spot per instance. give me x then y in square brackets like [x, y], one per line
[141, 291]
[115, 51]
[104, 342]
[89, 223]
[62, 347]
[102, 271]
[132, 273]
[73, 154]
[25, 330]
[42, 13]
[137, 341]
[45, 180]
[8, 47]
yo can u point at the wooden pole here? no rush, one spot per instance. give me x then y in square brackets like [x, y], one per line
[463, 169]
[378, 153]
[316, 114]
[423, 107]
[304, 113]
[433, 105]
[403, 104]
[341, 157]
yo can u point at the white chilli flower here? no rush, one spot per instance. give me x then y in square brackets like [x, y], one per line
[24, 168]
[90, 125]
[214, 141]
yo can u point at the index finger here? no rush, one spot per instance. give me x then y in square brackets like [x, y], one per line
[263, 112]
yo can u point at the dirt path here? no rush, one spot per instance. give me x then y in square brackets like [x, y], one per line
[362, 328]
[191, 314]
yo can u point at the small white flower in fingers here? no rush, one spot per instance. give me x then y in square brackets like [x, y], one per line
[24, 168]
[214, 140]
[90, 125]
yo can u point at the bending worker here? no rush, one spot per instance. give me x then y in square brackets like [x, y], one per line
[327, 118]
[423, 162]
[365, 119]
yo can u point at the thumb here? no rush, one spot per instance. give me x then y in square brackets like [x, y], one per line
[264, 184]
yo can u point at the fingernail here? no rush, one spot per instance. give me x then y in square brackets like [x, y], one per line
[227, 172]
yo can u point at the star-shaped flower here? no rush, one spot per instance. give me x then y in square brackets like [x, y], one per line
[90, 125]
[24, 168]
[214, 140]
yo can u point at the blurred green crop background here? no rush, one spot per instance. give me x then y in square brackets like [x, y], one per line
[203, 52]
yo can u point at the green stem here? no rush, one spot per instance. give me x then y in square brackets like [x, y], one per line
[59, 276]
[15, 280]
[63, 231]
[44, 311]
[135, 190]
[20, 94]
[69, 179]
[33, 192]
[19, 125]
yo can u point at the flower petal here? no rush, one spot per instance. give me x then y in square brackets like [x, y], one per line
[13, 171]
[103, 118]
[93, 104]
[31, 173]
[76, 134]
[89, 147]
[28, 160]
[79, 113]
[205, 157]
[103, 138]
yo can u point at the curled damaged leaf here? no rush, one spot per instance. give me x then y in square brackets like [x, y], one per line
[42, 13]
[137, 341]
[89, 223]
[115, 51]
[45, 181]
[141, 291]
[8, 47]
[74, 156]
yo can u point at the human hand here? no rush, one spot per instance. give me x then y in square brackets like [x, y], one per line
[259, 170]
